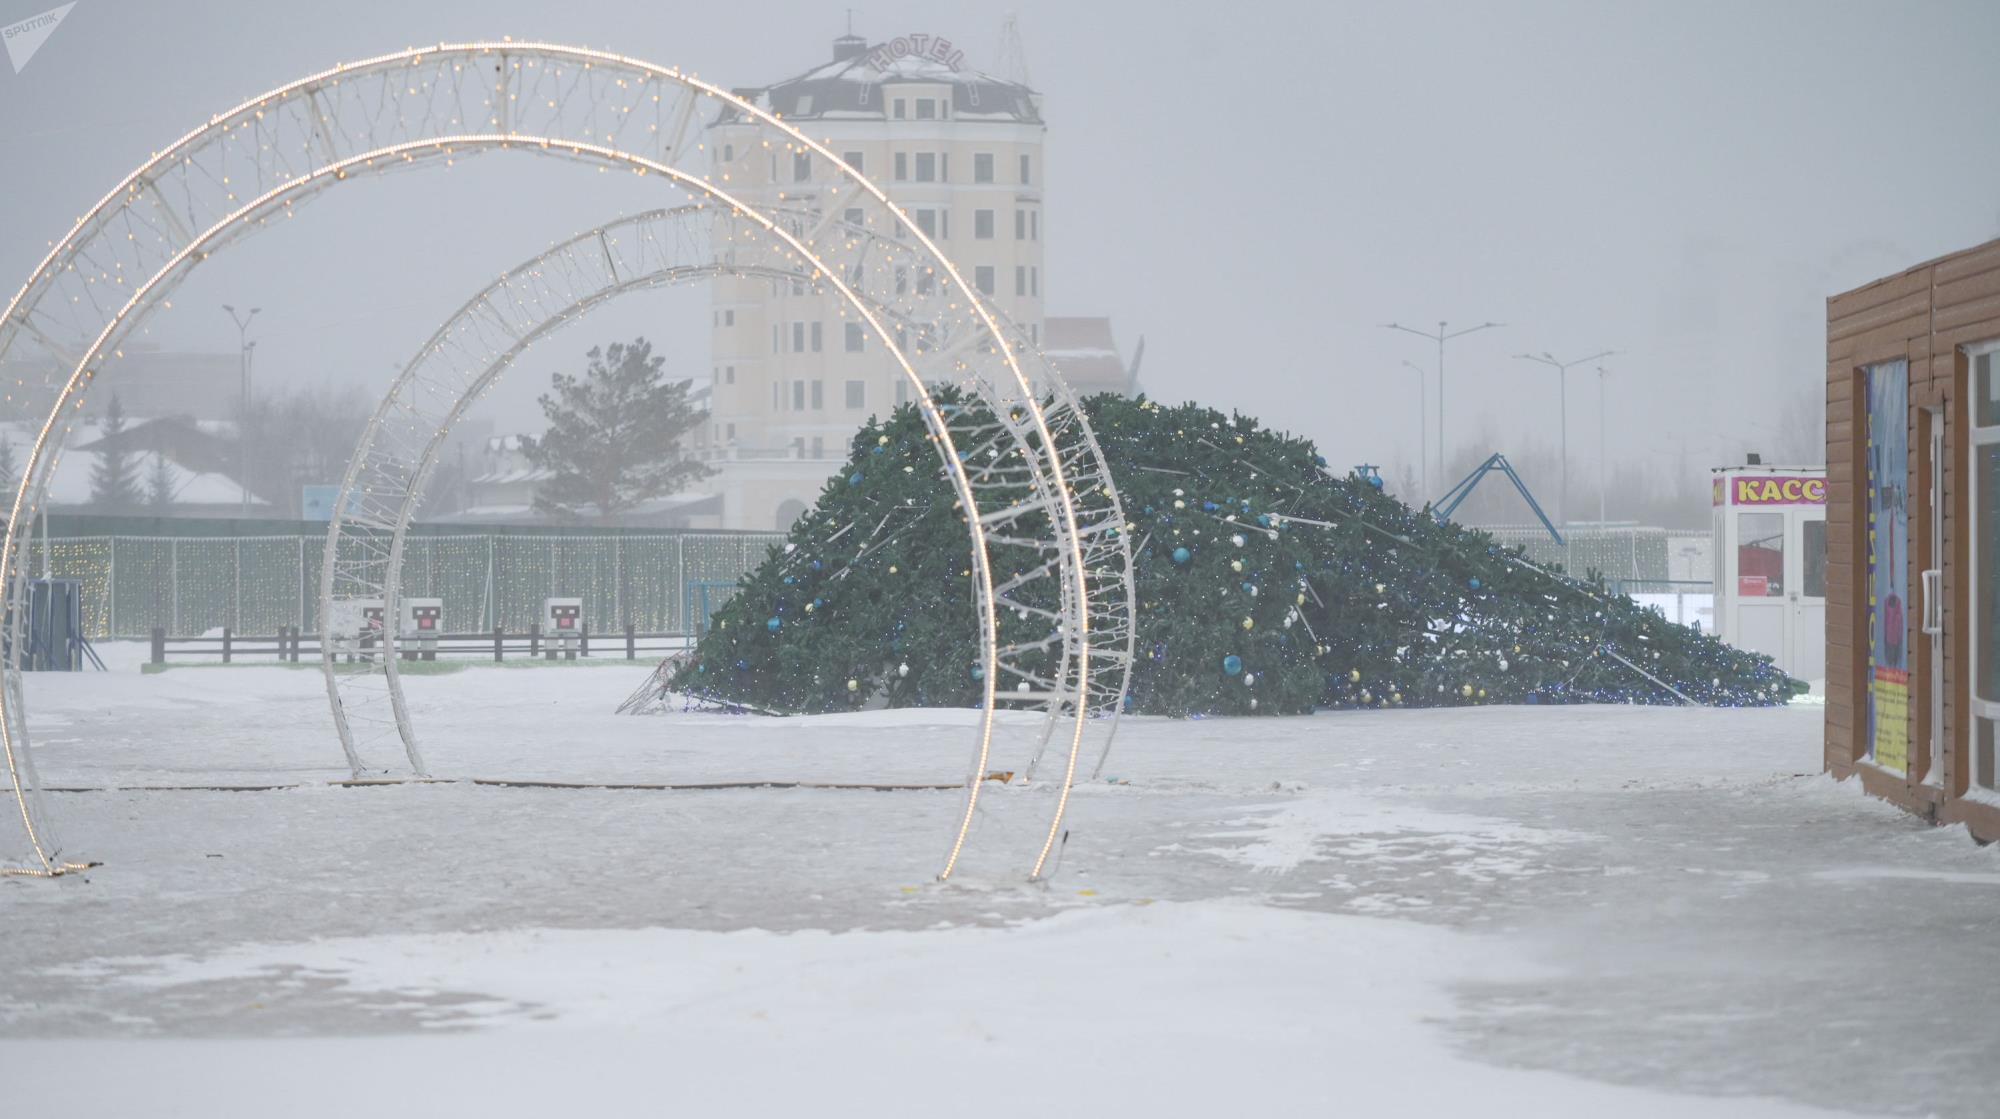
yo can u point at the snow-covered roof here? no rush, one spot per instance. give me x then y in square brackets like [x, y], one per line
[1085, 353]
[853, 84]
[70, 485]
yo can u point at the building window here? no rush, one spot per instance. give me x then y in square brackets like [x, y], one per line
[1026, 179]
[819, 446]
[817, 335]
[924, 282]
[774, 338]
[899, 113]
[855, 338]
[853, 216]
[857, 394]
[798, 396]
[1020, 225]
[927, 222]
[728, 374]
[902, 164]
[774, 396]
[728, 153]
[1035, 333]
[926, 109]
[944, 223]
[819, 396]
[852, 159]
[982, 278]
[982, 224]
[1020, 279]
[804, 105]
[729, 318]
[1034, 225]
[944, 167]
[926, 166]
[732, 432]
[1034, 281]
[802, 167]
[798, 338]
[982, 167]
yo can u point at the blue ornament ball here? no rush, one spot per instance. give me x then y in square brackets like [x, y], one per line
[1232, 664]
[854, 479]
[773, 625]
[978, 672]
[1473, 582]
[1182, 555]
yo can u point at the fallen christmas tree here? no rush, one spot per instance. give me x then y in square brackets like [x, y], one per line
[1266, 584]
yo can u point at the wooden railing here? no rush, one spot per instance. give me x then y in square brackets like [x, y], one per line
[291, 646]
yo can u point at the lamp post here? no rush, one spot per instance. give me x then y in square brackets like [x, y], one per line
[1562, 376]
[1442, 335]
[243, 348]
[1601, 476]
[1423, 424]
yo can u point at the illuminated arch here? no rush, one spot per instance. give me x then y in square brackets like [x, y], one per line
[400, 446]
[255, 163]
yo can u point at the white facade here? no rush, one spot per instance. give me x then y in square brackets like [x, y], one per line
[794, 377]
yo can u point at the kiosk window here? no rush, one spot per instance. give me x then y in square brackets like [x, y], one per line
[1815, 559]
[1760, 555]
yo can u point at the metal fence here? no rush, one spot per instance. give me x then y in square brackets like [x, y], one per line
[255, 584]
[1639, 558]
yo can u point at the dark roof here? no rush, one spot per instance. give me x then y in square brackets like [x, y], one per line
[853, 86]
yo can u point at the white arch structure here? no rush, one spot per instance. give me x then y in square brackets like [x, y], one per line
[252, 165]
[397, 451]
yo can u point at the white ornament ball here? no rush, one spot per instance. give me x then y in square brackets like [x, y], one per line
[854, 685]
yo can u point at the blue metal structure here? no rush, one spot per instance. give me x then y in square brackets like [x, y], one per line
[1455, 496]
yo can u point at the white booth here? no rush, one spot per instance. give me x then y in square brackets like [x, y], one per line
[1770, 564]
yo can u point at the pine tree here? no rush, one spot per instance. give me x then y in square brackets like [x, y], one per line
[114, 482]
[1267, 584]
[160, 483]
[614, 436]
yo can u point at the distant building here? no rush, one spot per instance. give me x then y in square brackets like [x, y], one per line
[1086, 354]
[962, 152]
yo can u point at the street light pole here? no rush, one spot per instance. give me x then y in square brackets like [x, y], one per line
[1562, 376]
[1602, 478]
[1423, 432]
[1443, 334]
[243, 346]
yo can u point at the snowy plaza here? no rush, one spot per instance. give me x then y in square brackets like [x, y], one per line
[1585, 910]
[1293, 558]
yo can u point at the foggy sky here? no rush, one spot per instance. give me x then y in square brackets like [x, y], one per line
[1252, 187]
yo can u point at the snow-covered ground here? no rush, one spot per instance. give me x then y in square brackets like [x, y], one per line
[1548, 911]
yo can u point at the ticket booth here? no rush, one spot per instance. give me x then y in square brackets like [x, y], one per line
[1770, 564]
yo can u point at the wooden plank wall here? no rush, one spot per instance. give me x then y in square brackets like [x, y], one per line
[1922, 315]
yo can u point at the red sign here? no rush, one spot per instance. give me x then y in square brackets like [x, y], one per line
[1753, 586]
[1776, 489]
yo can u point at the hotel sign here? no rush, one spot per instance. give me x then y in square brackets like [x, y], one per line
[1769, 490]
[935, 48]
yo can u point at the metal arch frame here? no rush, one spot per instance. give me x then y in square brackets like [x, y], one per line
[403, 481]
[82, 240]
[198, 250]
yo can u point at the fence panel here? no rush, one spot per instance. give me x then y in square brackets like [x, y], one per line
[189, 585]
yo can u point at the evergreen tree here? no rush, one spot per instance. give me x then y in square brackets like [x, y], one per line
[8, 482]
[614, 437]
[1267, 583]
[114, 481]
[159, 483]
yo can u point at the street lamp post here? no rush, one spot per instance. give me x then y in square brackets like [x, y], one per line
[1442, 335]
[1562, 376]
[1602, 478]
[243, 348]
[1423, 433]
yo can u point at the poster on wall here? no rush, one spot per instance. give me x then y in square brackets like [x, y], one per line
[1888, 394]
